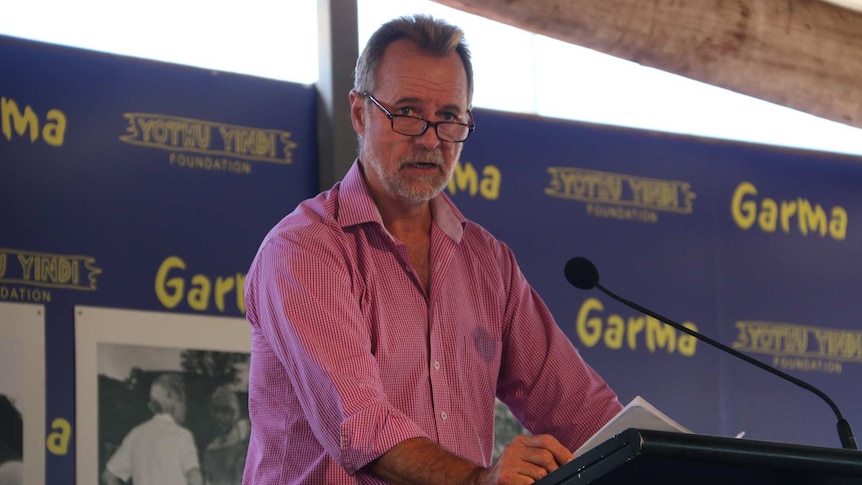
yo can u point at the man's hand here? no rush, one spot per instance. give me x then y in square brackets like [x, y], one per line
[525, 460]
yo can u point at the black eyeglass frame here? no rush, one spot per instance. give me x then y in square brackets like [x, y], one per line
[470, 126]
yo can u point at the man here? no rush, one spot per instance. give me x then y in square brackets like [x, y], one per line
[384, 323]
[159, 451]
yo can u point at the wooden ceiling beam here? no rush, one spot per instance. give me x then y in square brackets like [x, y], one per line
[804, 54]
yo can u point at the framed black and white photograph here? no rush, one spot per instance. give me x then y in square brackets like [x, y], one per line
[22, 393]
[161, 396]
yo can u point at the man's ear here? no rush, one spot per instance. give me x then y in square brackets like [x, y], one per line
[357, 112]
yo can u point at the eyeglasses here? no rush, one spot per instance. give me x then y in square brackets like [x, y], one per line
[449, 131]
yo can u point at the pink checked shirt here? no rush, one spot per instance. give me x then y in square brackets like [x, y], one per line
[351, 357]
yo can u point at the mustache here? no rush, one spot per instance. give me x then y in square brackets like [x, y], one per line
[425, 156]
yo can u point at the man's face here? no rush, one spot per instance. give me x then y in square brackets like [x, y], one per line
[410, 169]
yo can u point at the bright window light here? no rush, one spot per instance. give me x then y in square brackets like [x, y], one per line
[515, 70]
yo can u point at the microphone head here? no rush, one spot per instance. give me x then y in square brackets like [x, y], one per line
[582, 273]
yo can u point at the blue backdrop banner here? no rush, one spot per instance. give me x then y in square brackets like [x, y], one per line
[139, 185]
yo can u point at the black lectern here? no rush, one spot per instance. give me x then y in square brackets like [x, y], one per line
[657, 458]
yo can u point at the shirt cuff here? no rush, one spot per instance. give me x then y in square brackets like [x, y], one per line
[369, 434]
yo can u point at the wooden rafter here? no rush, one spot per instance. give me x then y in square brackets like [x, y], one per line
[804, 54]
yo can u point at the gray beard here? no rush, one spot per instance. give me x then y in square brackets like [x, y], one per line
[417, 190]
[430, 188]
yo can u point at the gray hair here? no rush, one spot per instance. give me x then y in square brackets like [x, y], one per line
[432, 36]
[166, 391]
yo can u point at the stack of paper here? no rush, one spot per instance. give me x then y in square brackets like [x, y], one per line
[637, 414]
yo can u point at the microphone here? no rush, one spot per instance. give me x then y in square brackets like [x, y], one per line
[582, 274]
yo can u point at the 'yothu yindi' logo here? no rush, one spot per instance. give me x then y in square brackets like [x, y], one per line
[800, 347]
[620, 196]
[28, 276]
[209, 145]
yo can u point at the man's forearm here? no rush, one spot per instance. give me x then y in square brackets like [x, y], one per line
[525, 459]
[422, 461]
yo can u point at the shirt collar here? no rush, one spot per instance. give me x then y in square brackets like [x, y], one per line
[355, 206]
[164, 417]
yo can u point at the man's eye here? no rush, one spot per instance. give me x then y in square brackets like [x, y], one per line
[406, 111]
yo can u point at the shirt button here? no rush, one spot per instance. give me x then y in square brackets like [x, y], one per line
[443, 416]
[436, 365]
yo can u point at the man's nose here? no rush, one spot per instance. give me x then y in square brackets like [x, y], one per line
[429, 139]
